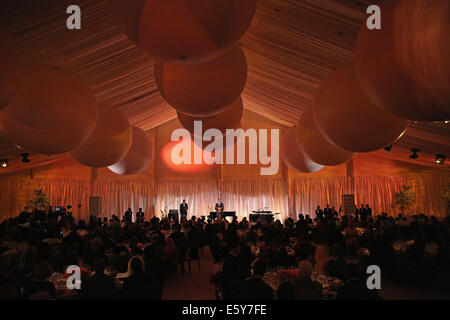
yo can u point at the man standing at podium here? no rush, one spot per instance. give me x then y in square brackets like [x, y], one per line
[219, 209]
[183, 209]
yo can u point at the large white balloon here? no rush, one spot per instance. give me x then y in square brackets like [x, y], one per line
[404, 67]
[292, 155]
[110, 141]
[347, 117]
[52, 112]
[138, 157]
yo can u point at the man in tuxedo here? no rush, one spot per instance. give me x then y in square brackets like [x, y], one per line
[368, 211]
[327, 211]
[219, 209]
[362, 213]
[140, 215]
[319, 212]
[128, 215]
[183, 209]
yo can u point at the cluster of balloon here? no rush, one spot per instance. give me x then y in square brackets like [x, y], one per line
[110, 141]
[315, 146]
[294, 157]
[185, 31]
[52, 112]
[9, 66]
[203, 89]
[138, 157]
[404, 67]
[370, 128]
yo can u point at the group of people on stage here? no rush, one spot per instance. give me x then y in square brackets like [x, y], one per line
[128, 217]
[140, 215]
[361, 213]
[184, 208]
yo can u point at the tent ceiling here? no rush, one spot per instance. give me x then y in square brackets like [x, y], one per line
[291, 46]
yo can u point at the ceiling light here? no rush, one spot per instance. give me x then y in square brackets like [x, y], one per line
[440, 159]
[4, 163]
[414, 153]
[25, 157]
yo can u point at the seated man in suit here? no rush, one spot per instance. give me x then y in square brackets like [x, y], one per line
[255, 288]
[183, 209]
[305, 287]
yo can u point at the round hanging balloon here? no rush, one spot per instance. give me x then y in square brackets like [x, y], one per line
[9, 66]
[230, 118]
[203, 89]
[138, 157]
[404, 66]
[52, 112]
[315, 146]
[294, 157]
[347, 117]
[110, 141]
[185, 31]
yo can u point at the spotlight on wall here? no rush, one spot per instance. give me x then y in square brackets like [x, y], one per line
[25, 158]
[388, 148]
[4, 163]
[414, 153]
[440, 159]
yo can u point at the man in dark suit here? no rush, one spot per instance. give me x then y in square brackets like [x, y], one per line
[327, 211]
[355, 287]
[219, 208]
[99, 286]
[368, 211]
[305, 287]
[362, 213]
[319, 212]
[183, 209]
[128, 215]
[140, 215]
[255, 288]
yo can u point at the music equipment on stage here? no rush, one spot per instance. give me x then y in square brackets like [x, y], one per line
[173, 214]
[229, 214]
[213, 214]
[264, 215]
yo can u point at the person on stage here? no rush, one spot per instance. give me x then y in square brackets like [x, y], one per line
[219, 209]
[183, 209]
[128, 215]
[140, 216]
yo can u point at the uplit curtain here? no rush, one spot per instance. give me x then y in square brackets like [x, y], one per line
[287, 197]
[201, 196]
[306, 194]
[429, 191]
[244, 196]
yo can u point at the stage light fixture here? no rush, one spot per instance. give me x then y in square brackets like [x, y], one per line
[414, 153]
[25, 158]
[440, 159]
[388, 148]
[4, 163]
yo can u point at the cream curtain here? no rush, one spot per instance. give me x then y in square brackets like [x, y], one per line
[287, 197]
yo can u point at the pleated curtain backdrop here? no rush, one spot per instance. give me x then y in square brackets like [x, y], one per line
[287, 197]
